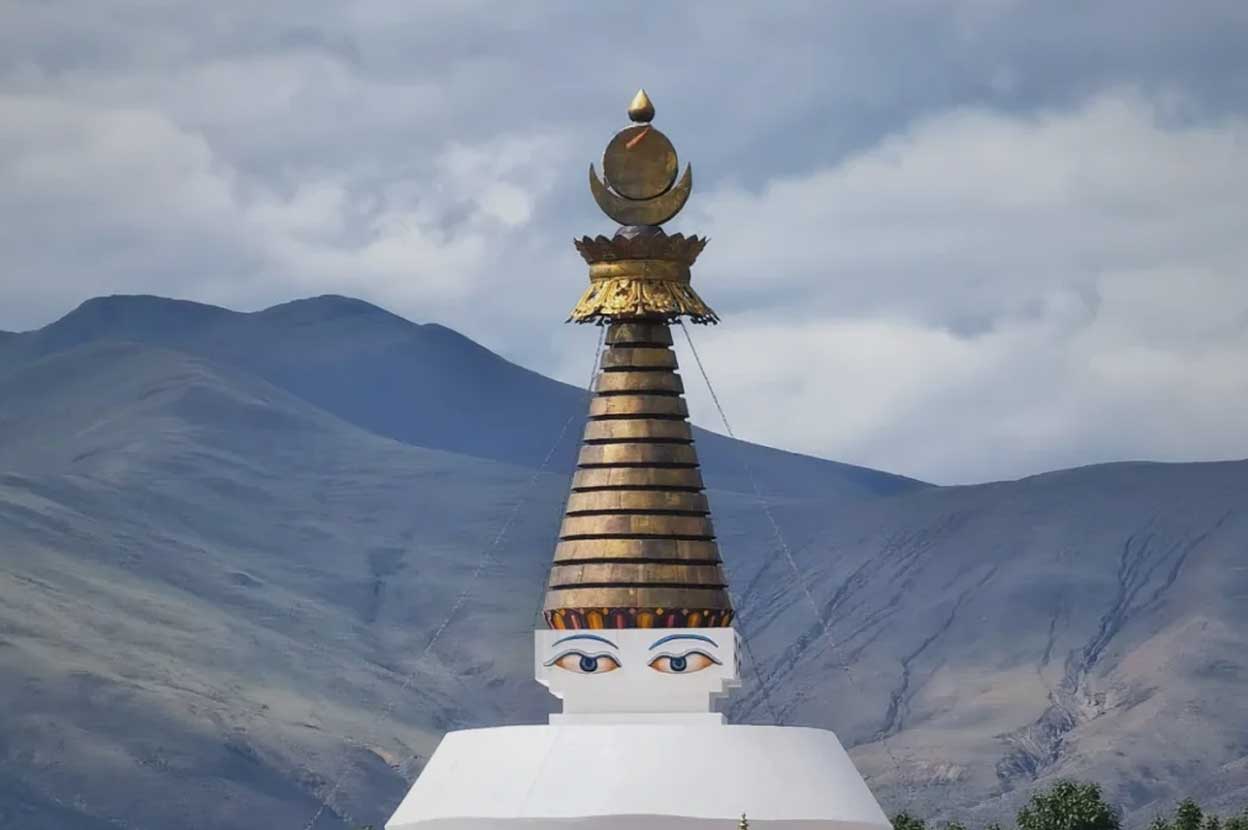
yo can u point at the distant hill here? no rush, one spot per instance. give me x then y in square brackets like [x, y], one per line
[218, 582]
[205, 580]
[419, 384]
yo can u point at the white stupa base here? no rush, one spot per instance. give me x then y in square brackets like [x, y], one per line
[657, 776]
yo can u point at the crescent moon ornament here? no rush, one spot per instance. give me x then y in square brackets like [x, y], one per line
[653, 211]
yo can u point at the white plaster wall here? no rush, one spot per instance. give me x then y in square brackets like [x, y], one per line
[660, 776]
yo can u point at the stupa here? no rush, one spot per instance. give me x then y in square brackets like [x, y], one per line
[640, 645]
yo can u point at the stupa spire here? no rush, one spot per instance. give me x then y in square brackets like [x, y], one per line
[640, 649]
[637, 548]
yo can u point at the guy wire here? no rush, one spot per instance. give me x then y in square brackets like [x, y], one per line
[788, 555]
[482, 563]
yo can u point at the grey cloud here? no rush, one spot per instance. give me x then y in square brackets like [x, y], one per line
[247, 154]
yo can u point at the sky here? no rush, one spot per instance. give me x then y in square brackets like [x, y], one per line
[962, 240]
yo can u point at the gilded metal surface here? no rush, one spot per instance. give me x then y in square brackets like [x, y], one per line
[617, 405]
[628, 524]
[675, 247]
[654, 211]
[627, 380]
[638, 358]
[639, 269]
[637, 598]
[696, 550]
[667, 573]
[640, 429]
[637, 545]
[640, 163]
[637, 333]
[606, 455]
[641, 109]
[682, 478]
[642, 501]
[609, 299]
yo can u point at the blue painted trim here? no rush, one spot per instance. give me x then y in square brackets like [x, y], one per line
[586, 637]
[671, 637]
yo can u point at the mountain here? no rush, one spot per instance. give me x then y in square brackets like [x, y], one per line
[973, 641]
[419, 384]
[206, 580]
[219, 586]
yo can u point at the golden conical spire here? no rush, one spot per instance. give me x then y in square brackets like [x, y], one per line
[637, 548]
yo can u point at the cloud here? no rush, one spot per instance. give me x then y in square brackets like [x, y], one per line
[959, 194]
[175, 212]
[984, 295]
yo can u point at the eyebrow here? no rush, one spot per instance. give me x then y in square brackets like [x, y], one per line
[586, 637]
[671, 637]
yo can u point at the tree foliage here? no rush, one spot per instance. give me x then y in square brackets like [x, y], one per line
[1074, 805]
[1069, 805]
[905, 821]
[1188, 815]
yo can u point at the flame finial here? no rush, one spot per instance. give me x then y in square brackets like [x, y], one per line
[641, 109]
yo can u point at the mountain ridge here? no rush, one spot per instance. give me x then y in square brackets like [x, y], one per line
[422, 384]
[212, 586]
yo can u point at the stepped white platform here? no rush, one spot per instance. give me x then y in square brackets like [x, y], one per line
[638, 743]
[663, 776]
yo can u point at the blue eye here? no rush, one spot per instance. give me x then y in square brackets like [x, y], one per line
[687, 663]
[579, 662]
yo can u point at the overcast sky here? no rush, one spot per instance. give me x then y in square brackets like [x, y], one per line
[957, 240]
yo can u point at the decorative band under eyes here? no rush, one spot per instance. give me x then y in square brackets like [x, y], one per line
[600, 618]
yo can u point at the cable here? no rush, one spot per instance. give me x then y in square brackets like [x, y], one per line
[482, 563]
[589, 392]
[784, 547]
[755, 663]
[758, 494]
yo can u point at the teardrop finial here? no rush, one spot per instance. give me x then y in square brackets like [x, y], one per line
[641, 109]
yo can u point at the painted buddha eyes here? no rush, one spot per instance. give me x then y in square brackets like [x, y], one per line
[687, 663]
[581, 663]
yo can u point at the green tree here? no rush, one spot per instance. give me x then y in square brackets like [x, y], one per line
[1188, 815]
[905, 821]
[1069, 805]
[1239, 822]
[1160, 822]
[1212, 822]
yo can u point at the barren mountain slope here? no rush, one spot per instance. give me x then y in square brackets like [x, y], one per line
[216, 596]
[420, 384]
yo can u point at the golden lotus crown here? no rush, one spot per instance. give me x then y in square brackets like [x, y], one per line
[674, 248]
